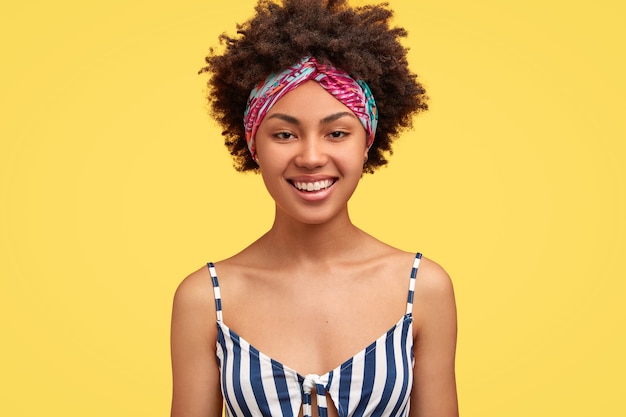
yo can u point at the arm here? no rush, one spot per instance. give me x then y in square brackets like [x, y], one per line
[196, 386]
[434, 386]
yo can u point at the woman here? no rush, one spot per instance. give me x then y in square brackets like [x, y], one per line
[316, 317]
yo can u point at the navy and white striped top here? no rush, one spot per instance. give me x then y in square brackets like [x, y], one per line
[376, 381]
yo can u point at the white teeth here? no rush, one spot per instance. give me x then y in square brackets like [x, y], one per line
[313, 186]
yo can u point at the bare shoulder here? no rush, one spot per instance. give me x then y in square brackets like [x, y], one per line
[195, 285]
[434, 292]
[194, 302]
[193, 340]
[432, 278]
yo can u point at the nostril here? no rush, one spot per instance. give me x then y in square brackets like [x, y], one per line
[311, 158]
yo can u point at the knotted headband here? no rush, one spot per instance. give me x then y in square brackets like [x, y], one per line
[354, 94]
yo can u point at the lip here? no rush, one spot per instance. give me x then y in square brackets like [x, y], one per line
[311, 178]
[313, 195]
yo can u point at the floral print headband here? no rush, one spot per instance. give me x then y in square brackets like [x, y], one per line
[354, 94]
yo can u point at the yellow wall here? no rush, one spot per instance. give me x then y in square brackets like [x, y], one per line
[114, 185]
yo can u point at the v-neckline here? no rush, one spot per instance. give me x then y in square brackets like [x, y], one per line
[275, 363]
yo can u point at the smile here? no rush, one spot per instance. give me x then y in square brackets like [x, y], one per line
[312, 186]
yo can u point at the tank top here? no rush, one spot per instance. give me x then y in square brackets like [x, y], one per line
[377, 381]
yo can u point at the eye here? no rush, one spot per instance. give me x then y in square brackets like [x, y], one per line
[338, 134]
[284, 135]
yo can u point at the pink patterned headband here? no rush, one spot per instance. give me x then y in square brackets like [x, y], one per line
[354, 94]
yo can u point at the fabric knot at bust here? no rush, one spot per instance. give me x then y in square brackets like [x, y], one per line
[310, 382]
[354, 94]
[319, 383]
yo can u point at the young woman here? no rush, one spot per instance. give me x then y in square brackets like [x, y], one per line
[316, 317]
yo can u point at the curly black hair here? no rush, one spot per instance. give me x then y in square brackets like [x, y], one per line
[359, 40]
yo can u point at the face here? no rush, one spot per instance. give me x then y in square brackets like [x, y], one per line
[311, 149]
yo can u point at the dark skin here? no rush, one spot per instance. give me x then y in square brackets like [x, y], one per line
[312, 235]
[313, 244]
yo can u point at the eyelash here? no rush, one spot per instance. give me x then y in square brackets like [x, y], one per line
[337, 134]
[284, 135]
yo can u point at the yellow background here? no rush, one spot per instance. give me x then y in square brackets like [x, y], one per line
[114, 185]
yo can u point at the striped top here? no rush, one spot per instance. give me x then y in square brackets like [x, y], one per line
[376, 381]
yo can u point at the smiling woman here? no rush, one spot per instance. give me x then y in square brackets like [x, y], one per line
[312, 159]
[311, 94]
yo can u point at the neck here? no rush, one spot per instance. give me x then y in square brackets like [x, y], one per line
[312, 243]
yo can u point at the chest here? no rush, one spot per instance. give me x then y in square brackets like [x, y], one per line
[375, 381]
[313, 325]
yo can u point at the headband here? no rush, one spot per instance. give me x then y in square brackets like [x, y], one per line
[354, 94]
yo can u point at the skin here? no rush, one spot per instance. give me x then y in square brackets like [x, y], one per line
[313, 245]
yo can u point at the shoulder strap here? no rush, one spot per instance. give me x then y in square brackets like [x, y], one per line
[216, 291]
[416, 264]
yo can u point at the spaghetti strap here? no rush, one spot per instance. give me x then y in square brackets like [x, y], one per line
[216, 291]
[416, 264]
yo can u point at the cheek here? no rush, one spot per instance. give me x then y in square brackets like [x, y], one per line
[272, 177]
[351, 169]
[357, 158]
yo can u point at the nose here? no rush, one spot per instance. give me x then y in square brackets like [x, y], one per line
[311, 154]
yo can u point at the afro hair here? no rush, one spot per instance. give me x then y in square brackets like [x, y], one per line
[359, 40]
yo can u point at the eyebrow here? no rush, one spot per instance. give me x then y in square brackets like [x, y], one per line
[328, 119]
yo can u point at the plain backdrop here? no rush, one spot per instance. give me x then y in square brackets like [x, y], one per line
[114, 185]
